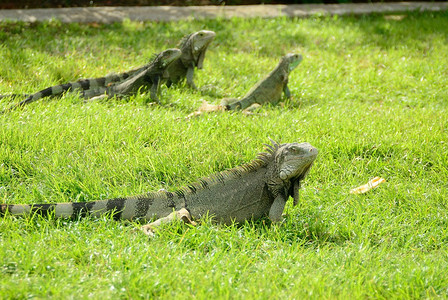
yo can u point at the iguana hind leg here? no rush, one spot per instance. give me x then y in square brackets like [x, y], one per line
[97, 98]
[182, 214]
[154, 90]
[251, 109]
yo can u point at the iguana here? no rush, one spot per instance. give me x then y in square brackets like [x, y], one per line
[193, 47]
[147, 78]
[125, 83]
[251, 191]
[270, 88]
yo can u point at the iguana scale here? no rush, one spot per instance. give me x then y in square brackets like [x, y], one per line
[251, 191]
[124, 83]
[193, 47]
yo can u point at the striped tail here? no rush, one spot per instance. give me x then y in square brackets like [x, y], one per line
[98, 86]
[51, 91]
[14, 96]
[66, 210]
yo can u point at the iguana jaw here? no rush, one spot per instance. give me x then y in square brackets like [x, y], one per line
[293, 60]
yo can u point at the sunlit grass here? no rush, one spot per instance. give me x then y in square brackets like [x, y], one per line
[370, 94]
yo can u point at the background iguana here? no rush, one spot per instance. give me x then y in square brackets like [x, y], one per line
[259, 188]
[124, 83]
[193, 47]
[148, 77]
[270, 88]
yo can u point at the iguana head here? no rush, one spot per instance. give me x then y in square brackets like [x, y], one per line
[292, 60]
[164, 58]
[294, 160]
[195, 45]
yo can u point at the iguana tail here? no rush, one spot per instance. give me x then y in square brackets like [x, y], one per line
[139, 206]
[66, 210]
[14, 96]
[51, 91]
[95, 85]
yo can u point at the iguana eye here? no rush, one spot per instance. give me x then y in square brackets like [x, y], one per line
[295, 149]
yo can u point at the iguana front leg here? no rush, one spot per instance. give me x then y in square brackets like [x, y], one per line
[169, 83]
[275, 213]
[286, 91]
[190, 74]
[182, 214]
[154, 89]
[295, 192]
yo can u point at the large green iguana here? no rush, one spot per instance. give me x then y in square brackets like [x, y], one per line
[193, 47]
[126, 83]
[251, 191]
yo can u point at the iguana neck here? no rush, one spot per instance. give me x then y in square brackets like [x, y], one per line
[187, 57]
[280, 69]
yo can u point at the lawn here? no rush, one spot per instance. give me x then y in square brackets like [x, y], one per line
[370, 94]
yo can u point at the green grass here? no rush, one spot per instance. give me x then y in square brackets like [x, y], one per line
[371, 94]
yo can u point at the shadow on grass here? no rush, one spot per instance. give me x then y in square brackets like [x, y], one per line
[391, 31]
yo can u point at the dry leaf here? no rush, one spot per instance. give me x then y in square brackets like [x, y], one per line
[368, 186]
[205, 108]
